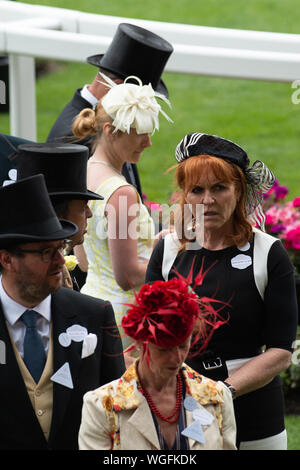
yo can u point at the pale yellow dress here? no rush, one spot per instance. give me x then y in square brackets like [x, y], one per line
[100, 280]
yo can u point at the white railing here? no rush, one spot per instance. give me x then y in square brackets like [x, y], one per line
[30, 31]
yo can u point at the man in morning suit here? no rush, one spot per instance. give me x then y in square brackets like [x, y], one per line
[56, 344]
[133, 51]
[64, 167]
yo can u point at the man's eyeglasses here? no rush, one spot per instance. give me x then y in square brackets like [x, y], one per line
[47, 254]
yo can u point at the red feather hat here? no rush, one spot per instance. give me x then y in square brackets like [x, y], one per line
[166, 313]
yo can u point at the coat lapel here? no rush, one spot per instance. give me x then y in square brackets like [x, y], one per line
[66, 357]
[137, 425]
[141, 422]
[205, 393]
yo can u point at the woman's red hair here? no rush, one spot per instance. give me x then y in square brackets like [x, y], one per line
[187, 177]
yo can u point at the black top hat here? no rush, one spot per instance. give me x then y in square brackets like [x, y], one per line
[27, 214]
[64, 167]
[8, 152]
[136, 51]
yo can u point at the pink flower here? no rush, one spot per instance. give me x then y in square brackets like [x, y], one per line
[273, 213]
[269, 219]
[153, 206]
[287, 214]
[174, 198]
[278, 191]
[296, 202]
[277, 228]
[281, 192]
[283, 218]
[292, 240]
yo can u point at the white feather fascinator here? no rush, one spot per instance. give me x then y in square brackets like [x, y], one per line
[133, 105]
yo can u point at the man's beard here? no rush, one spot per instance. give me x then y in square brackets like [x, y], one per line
[34, 293]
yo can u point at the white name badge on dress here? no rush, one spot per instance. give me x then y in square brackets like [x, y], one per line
[201, 417]
[245, 247]
[241, 261]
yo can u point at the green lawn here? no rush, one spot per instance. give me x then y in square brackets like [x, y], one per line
[258, 115]
[293, 432]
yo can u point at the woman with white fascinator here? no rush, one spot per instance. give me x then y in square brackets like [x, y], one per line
[120, 234]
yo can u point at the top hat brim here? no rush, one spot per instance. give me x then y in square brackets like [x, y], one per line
[88, 195]
[68, 229]
[96, 60]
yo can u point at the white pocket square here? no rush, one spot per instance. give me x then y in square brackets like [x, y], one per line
[89, 345]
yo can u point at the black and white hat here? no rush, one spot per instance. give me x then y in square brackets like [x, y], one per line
[206, 144]
[258, 177]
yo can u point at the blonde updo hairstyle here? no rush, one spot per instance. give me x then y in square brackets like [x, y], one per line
[90, 123]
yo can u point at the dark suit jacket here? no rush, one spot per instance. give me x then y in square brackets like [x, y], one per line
[19, 427]
[61, 130]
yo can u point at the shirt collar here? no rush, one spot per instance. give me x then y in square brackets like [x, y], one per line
[88, 96]
[13, 310]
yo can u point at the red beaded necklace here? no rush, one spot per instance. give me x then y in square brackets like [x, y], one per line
[173, 418]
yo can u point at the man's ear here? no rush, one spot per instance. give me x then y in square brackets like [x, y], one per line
[6, 260]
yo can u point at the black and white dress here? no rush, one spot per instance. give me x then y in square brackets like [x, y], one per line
[257, 280]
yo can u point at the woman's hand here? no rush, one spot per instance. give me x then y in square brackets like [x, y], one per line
[260, 370]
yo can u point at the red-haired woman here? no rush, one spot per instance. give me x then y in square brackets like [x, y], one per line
[160, 402]
[221, 198]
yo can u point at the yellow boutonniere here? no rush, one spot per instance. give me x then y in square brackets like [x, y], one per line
[71, 262]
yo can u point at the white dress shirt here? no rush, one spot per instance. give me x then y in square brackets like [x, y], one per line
[13, 311]
[88, 96]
